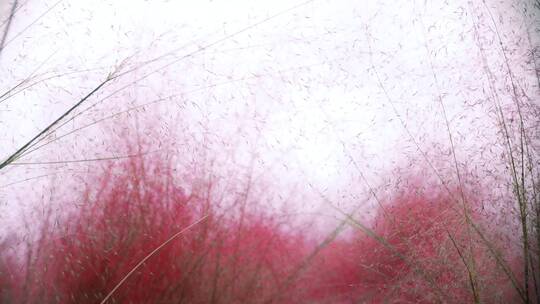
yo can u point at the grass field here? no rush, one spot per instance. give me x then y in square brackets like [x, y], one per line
[311, 152]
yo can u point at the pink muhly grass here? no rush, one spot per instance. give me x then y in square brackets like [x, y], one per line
[131, 214]
[417, 262]
[106, 246]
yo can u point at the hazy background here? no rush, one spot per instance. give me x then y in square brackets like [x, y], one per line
[335, 99]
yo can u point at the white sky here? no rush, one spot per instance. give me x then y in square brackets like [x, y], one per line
[298, 84]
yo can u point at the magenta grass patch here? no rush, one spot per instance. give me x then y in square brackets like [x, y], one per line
[417, 250]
